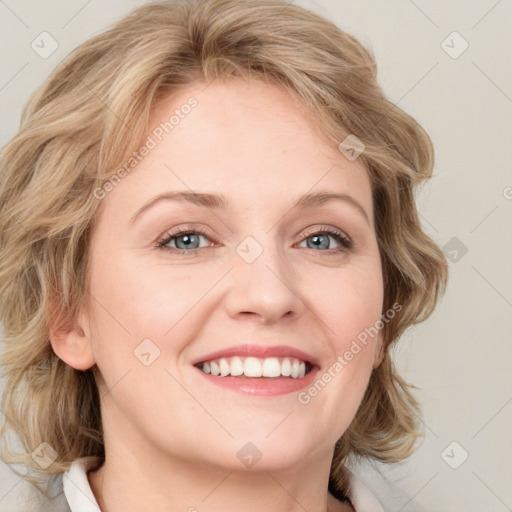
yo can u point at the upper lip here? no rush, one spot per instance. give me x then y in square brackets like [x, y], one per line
[250, 350]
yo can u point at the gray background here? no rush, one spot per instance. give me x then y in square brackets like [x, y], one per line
[459, 358]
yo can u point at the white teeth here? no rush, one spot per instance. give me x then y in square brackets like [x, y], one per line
[237, 367]
[295, 368]
[272, 367]
[214, 368]
[286, 367]
[252, 367]
[224, 367]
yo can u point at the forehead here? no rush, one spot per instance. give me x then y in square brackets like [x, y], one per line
[251, 141]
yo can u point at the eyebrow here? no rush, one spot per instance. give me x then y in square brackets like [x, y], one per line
[220, 202]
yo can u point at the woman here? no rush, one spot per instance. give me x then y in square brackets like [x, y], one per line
[209, 243]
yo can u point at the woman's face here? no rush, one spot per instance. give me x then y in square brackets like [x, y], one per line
[257, 271]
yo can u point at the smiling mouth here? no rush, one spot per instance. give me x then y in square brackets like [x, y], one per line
[255, 367]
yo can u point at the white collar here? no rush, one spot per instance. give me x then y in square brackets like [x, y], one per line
[76, 486]
[363, 500]
[81, 498]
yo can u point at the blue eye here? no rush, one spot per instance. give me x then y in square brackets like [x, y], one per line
[188, 240]
[321, 240]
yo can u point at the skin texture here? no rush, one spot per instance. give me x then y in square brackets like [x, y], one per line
[171, 436]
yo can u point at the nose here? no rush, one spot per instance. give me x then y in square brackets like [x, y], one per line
[263, 286]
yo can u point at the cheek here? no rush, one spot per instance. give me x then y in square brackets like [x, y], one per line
[136, 300]
[348, 303]
[348, 300]
[140, 294]
[142, 319]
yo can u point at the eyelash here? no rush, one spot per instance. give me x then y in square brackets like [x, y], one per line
[344, 241]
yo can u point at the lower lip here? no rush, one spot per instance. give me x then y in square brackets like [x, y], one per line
[262, 386]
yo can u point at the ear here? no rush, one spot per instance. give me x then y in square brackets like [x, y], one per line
[380, 351]
[73, 345]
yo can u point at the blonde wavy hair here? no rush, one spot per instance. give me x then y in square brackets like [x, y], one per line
[86, 120]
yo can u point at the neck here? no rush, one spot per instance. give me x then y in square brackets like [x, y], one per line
[132, 481]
